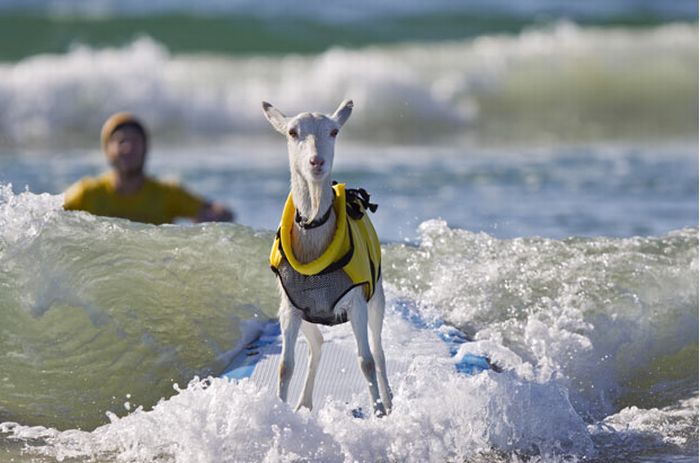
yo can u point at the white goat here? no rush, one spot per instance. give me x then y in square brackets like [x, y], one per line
[310, 145]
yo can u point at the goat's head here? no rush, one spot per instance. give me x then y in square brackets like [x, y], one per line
[310, 139]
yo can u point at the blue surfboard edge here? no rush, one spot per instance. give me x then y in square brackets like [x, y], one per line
[246, 360]
[469, 364]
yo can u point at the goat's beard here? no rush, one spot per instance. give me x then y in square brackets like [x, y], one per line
[315, 187]
[315, 195]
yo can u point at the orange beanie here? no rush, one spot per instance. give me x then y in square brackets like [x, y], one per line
[117, 120]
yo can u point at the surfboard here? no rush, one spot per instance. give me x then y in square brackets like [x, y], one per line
[338, 376]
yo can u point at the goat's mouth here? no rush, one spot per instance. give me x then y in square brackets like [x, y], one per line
[318, 173]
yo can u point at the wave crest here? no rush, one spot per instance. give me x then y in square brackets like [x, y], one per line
[557, 83]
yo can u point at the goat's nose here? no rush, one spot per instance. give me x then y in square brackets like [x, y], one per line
[316, 161]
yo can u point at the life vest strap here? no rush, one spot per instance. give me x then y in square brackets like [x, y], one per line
[357, 202]
[343, 261]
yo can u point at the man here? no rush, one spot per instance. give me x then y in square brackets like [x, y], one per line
[127, 192]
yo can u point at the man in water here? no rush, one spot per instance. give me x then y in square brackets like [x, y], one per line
[127, 192]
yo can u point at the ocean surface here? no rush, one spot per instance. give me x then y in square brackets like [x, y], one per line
[536, 169]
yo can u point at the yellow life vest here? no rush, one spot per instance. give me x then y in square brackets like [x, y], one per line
[354, 248]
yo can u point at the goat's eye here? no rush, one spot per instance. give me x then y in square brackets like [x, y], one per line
[334, 133]
[293, 133]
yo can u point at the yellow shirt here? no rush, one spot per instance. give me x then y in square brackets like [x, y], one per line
[156, 203]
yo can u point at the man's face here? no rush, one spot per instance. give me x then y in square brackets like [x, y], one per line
[126, 150]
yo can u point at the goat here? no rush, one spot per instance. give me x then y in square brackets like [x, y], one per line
[310, 145]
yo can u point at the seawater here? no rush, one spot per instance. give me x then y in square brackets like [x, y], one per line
[101, 318]
[550, 83]
[605, 189]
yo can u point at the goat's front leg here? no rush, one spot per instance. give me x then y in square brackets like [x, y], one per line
[358, 320]
[314, 341]
[289, 324]
[376, 320]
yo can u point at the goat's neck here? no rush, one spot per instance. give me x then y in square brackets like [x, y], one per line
[312, 200]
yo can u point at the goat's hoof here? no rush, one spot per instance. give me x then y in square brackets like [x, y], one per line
[300, 406]
[379, 410]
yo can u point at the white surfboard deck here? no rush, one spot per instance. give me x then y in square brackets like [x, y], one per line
[405, 339]
[338, 375]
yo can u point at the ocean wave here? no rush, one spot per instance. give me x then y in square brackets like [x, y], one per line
[221, 421]
[597, 337]
[615, 320]
[610, 323]
[564, 82]
[107, 302]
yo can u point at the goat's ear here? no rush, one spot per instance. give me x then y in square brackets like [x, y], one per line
[275, 117]
[343, 112]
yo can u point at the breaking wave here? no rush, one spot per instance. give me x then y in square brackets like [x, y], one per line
[561, 82]
[99, 317]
